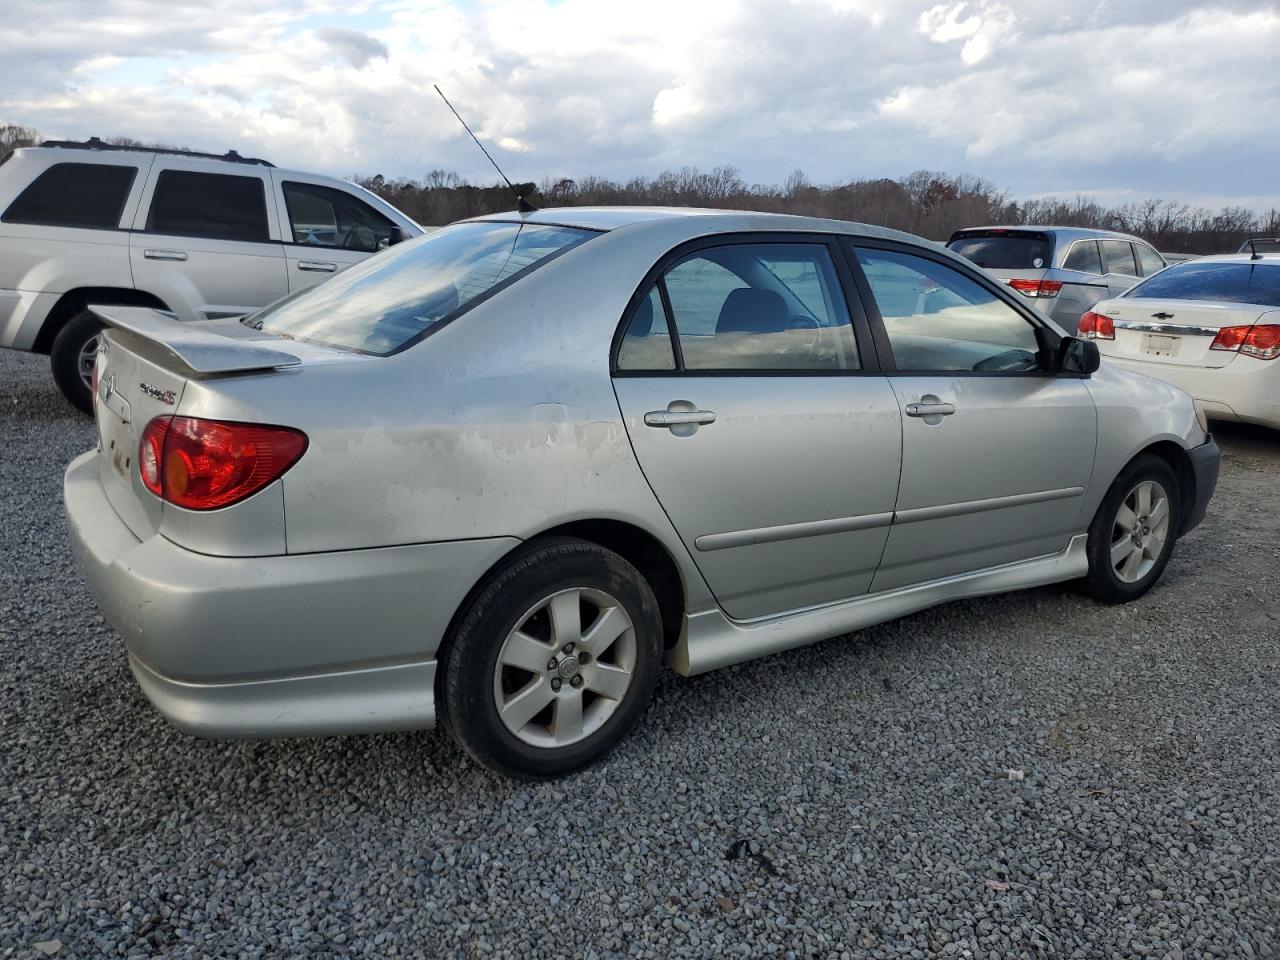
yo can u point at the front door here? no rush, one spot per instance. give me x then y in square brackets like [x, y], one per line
[762, 427]
[996, 453]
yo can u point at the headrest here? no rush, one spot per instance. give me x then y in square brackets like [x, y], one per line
[749, 310]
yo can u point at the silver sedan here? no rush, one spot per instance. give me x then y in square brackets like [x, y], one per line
[500, 474]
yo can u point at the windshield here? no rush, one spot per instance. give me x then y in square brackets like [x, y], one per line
[1231, 282]
[1003, 250]
[383, 304]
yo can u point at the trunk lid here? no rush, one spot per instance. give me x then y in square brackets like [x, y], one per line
[1171, 331]
[144, 365]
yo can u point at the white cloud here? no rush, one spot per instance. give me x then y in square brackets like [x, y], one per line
[1156, 96]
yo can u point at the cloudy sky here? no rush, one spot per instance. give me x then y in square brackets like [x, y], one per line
[1117, 98]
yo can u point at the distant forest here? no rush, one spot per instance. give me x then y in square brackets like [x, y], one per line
[927, 203]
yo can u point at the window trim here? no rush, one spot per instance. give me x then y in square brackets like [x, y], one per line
[656, 275]
[1046, 336]
[120, 216]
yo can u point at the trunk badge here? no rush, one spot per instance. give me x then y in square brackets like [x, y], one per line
[155, 393]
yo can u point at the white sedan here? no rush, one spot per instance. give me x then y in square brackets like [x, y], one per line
[1210, 326]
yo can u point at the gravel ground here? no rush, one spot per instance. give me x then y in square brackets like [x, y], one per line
[1028, 775]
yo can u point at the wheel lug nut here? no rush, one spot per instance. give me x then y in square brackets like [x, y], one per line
[577, 680]
[555, 683]
[551, 664]
[568, 649]
[584, 657]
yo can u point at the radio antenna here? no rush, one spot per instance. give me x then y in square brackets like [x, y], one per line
[523, 205]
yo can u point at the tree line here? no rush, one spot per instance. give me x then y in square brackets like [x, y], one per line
[926, 202]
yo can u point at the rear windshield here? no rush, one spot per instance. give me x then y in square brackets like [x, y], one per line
[1260, 246]
[1003, 250]
[1231, 282]
[383, 304]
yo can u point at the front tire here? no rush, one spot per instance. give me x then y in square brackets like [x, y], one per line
[1132, 535]
[554, 660]
[72, 358]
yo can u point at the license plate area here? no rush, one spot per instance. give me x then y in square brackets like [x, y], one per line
[1159, 345]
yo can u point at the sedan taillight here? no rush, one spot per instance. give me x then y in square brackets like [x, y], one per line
[206, 464]
[1096, 326]
[1037, 288]
[1261, 340]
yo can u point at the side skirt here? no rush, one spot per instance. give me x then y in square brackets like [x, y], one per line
[711, 640]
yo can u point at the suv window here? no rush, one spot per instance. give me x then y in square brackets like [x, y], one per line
[1003, 249]
[774, 307]
[328, 217]
[1150, 261]
[1118, 257]
[937, 319]
[215, 206]
[88, 195]
[1083, 256]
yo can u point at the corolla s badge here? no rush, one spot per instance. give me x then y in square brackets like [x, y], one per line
[155, 393]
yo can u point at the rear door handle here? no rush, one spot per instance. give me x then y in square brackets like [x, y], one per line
[317, 266]
[936, 409]
[165, 254]
[678, 418]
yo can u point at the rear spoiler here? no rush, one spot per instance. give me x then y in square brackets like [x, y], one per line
[204, 350]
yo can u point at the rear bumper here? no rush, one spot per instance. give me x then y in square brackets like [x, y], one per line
[1246, 389]
[1206, 460]
[259, 646]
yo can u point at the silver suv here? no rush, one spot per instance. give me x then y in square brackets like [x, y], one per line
[1063, 271]
[196, 235]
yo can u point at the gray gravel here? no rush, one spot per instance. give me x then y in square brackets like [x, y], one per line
[851, 799]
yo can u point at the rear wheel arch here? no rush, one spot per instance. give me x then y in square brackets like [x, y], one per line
[73, 302]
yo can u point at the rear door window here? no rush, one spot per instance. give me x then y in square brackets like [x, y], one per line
[214, 206]
[763, 307]
[86, 195]
[327, 217]
[1004, 249]
[1084, 257]
[1117, 257]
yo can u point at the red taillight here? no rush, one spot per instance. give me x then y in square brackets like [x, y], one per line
[1095, 326]
[206, 464]
[1261, 340]
[1037, 288]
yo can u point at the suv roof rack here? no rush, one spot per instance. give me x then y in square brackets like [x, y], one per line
[94, 143]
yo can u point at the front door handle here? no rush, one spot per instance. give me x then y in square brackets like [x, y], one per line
[678, 418]
[317, 266]
[935, 408]
[175, 255]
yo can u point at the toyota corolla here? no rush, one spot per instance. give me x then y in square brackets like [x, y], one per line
[499, 475]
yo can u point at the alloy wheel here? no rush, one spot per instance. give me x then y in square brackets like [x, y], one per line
[1140, 532]
[85, 359]
[565, 667]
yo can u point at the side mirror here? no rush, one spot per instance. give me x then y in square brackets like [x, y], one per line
[1078, 356]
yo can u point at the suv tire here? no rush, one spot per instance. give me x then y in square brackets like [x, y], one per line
[75, 343]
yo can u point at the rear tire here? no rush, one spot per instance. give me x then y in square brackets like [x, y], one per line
[554, 660]
[72, 357]
[1133, 533]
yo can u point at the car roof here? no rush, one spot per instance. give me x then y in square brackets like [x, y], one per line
[1065, 233]
[709, 221]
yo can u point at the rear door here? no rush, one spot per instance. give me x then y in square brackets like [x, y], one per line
[206, 240]
[326, 229]
[761, 422]
[996, 452]
[1119, 265]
